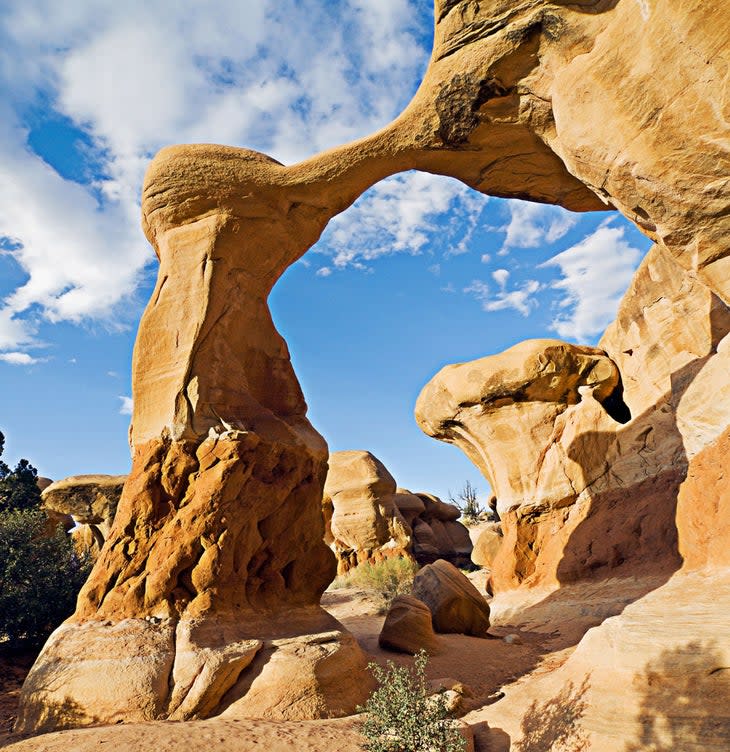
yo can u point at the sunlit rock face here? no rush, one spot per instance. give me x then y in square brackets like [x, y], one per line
[91, 501]
[595, 457]
[209, 581]
[369, 519]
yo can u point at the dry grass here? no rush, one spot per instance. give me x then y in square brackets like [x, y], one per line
[388, 578]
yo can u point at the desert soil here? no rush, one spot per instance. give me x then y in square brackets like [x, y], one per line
[547, 626]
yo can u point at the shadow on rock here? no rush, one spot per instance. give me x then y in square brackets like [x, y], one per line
[686, 701]
[555, 724]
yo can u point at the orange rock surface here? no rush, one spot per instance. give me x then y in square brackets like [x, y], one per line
[215, 562]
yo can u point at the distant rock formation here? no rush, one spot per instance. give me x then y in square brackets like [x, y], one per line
[91, 502]
[367, 518]
[217, 551]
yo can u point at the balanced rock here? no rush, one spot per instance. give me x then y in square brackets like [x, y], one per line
[408, 627]
[90, 500]
[455, 604]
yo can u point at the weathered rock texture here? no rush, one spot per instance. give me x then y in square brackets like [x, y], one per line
[596, 479]
[488, 544]
[589, 105]
[367, 518]
[90, 500]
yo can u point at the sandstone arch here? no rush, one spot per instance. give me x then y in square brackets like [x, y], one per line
[213, 570]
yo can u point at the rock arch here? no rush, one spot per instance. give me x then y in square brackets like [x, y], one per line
[207, 590]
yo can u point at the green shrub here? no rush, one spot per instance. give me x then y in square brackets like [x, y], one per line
[403, 718]
[389, 578]
[40, 576]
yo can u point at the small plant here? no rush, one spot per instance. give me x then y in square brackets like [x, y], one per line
[389, 578]
[401, 715]
[466, 501]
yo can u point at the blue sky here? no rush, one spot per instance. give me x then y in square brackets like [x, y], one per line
[419, 273]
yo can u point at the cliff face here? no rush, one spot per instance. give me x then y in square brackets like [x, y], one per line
[215, 562]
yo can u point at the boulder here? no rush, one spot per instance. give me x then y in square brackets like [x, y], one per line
[408, 627]
[455, 604]
[487, 545]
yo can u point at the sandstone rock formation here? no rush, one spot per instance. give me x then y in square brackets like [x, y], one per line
[367, 518]
[89, 500]
[589, 105]
[363, 521]
[487, 545]
[408, 627]
[455, 604]
[593, 481]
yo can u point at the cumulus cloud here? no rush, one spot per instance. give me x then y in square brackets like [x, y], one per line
[324, 271]
[532, 224]
[401, 215]
[127, 405]
[595, 273]
[500, 276]
[288, 77]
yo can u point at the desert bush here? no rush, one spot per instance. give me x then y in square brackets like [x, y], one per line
[401, 717]
[389, 578]
[40, 576]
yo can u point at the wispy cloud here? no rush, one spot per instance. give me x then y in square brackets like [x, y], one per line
[401, 215]
[521, 298]
[532, 224]
[18, 358]
[595, 274]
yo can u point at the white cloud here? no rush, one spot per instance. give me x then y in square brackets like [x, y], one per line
[401, 215]
[127, 405]
[18, 358]
[479, 289]
[522, 298]
[500, 276]
[486, 258]
[324, 271]
[595, 274]
[533, 224]
[282, 76]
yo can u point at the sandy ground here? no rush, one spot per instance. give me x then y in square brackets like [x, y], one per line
[548, 624]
